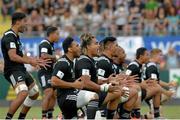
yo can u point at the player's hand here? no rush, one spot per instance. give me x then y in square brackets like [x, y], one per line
[172, 84]
[131, 80]
[113, 88]
[113, 79]
[85, 77]
[151, 82]
[78, 84]
[38, 63]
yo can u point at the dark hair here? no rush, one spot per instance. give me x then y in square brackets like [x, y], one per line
[17, 16]
[106, 40]
[67, 43]
[158, 12]
[51, 30]
[140, 51]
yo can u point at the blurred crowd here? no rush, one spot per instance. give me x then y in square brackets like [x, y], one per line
[171, 60]
[100, 17]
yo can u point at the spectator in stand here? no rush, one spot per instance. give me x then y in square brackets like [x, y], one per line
[152, 5]
[161, 22]
[121, 15]
[32, 5]
[88, 6]
[8, 8]
[36, 23]
[167, 4]
[75, 7]
[139, 4]
[95, 19]
[173, 20]
[109, 19]
[80, 21]
[66, 22]
[50, 19]
[134, 22]
[172, 59]
[60, 7]
[149, 22]
[45, 7]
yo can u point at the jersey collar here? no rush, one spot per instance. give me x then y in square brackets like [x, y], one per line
[107, 58]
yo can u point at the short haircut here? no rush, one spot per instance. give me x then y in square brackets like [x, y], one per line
[86, 39]
[155, 51]
[17, 16]
[67, 43]
[106, 40]
[140, 51]
[51, 30]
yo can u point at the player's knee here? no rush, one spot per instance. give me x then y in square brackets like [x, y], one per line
[22, 88]
[34, 97]
[117, 94]
[137, 87]
[28, 101]
[133, 92]
[92, 96]
[34, 92]
[96, 96]
[48, 93]
[158, 89]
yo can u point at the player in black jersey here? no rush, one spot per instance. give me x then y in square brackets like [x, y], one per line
[119, 60]
[46, 51]
[128, 101]
[69, 98]
[135, 68]
[142, 57]
[152, 80]
[14, 70]
[106, 68]
[85, 65]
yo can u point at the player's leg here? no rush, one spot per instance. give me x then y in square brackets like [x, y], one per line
[51, 105]
[48, 93]
[157, 101]
[136, 112]
[112, 100]
[17, 80]
[67, 103]
[128, 104]
[33, 93]
[155, 92]
[91, 100]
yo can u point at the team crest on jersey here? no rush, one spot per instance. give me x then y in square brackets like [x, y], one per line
[85, 72]
[12, 45]
[101, 72]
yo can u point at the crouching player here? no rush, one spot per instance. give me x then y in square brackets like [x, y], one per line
[70, 97]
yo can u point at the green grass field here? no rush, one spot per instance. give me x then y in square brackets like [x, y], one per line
[169, 112]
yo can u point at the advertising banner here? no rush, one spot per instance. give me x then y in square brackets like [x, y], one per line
[162, 42]
[130, 44]
[175, 76]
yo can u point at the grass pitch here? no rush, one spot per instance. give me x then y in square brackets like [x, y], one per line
[169, 112]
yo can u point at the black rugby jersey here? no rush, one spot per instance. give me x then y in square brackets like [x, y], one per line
[150, 70]
[63, 69]
[105, 66]
[86, 66]
[11, 40]
[119, 68]
[46, 47]
[135, 68]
